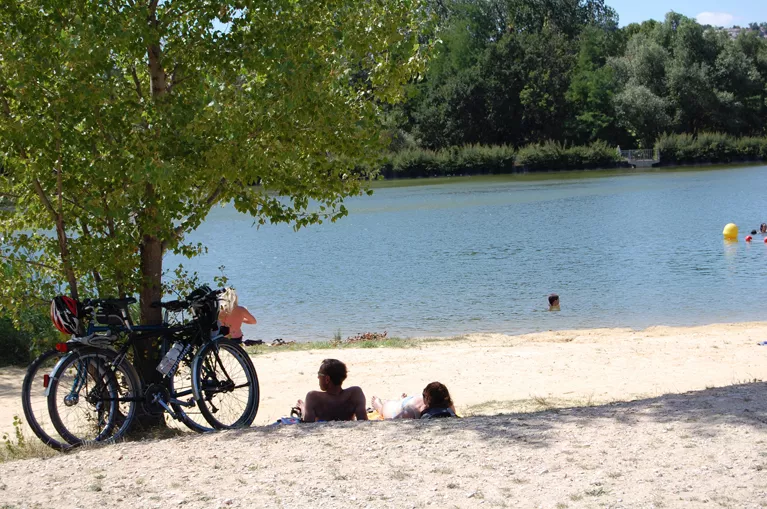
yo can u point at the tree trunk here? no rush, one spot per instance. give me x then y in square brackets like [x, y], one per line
[148, 350]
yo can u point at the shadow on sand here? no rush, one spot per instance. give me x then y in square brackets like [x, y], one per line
[705, 411]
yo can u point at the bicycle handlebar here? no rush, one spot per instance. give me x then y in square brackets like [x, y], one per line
[171, 305]
[120, 303]
[178, 305]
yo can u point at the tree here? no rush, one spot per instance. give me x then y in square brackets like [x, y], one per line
[642, 113]
[123, 122]
[591, 90]
[502, 70]
[547, 63]
[646, 63]
[448, 106]
[692, 95]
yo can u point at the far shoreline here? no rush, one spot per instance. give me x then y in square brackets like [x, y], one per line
[534, 175]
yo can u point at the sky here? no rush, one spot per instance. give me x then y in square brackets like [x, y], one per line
[712, 12]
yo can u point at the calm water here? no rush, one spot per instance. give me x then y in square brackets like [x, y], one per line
[482, 254]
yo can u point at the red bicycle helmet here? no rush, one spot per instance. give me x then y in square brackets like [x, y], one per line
[65, 314]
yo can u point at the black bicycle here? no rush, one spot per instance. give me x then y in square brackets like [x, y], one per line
[208, 382]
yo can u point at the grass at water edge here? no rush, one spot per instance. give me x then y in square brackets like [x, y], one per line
[341, 345]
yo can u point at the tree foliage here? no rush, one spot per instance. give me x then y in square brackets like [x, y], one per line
[122, 122]
[522, 71]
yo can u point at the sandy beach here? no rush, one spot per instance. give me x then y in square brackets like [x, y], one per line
[663, 417]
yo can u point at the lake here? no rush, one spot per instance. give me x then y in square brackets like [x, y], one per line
[481, 254]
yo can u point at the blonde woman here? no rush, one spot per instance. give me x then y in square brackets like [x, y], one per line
[232, 315]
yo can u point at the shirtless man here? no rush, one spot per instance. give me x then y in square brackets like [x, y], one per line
[331, 402]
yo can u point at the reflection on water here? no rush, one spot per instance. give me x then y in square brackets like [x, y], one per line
[482, 254]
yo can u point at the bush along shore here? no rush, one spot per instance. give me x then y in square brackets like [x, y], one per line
[682, 149]
[497, 159]
[675, 150]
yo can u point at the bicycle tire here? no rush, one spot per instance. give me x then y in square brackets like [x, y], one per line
[214, 378]
[120, 393]
[34, 401]
[182, 388]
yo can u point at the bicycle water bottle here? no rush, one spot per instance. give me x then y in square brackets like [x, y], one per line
[170, 358]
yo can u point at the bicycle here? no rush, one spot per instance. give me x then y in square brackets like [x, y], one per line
[94, 391]
[34, 391]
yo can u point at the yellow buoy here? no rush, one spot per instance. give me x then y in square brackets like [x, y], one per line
[730, 231]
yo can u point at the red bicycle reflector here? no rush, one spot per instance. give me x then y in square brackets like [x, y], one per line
[62, 347]
[46, 380]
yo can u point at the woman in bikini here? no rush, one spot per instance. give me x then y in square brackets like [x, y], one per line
[232, 315]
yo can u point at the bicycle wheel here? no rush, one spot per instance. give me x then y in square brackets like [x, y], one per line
[182, 399]
[92, 400]
[34, 399]
[225, 385]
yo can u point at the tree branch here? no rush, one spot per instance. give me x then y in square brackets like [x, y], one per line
[28, 262]
[136, 82]
[59, 180]
[87, 234]
[60, 229]
[209, 201]
[177, 15]
[172, 80]
[112, 233]
[44, 198]
[6, 106]
[177, 82]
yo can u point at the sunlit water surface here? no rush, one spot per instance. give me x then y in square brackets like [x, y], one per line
[481, 254]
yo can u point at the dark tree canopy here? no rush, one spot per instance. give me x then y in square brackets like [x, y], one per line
[521, 71]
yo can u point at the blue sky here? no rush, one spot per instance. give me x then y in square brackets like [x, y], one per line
[732, 12]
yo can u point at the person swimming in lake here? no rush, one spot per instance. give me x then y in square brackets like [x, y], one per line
[232, 315]
[763, 228]
[434, 401]
[554, 302]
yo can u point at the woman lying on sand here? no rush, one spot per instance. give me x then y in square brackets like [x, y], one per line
[435, 401]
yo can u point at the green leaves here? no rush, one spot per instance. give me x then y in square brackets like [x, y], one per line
[519, 71]
[270, 105]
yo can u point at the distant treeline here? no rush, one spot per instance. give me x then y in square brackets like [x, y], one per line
[674, 149]
[512, 73]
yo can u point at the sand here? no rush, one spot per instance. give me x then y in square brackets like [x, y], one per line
[663, 417]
